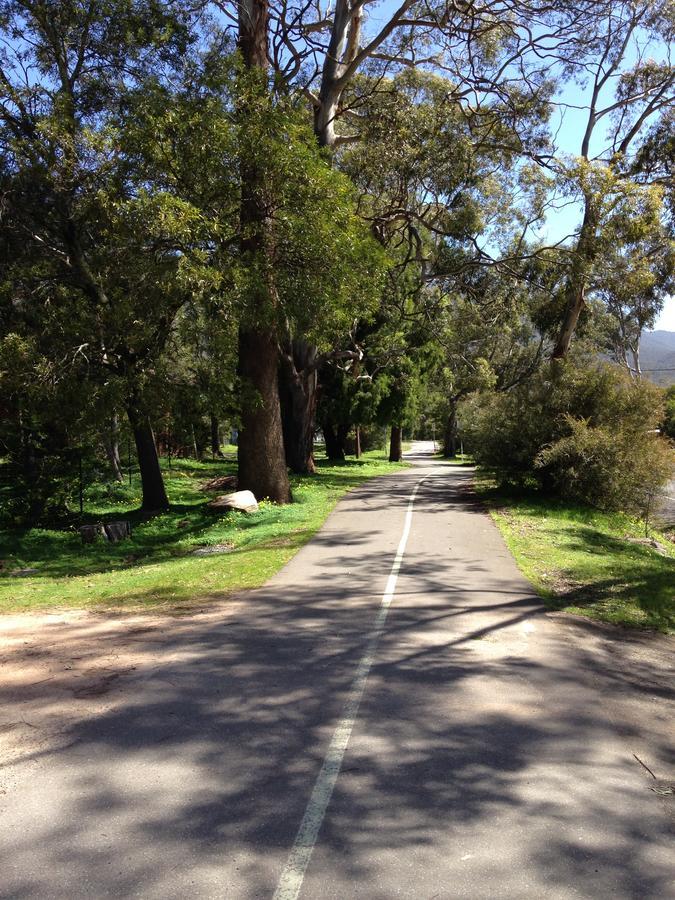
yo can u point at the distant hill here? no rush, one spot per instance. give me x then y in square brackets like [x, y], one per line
[657, 351]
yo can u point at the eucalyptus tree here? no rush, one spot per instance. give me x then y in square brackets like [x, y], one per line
[486, 50]
[489, 51]
[629, 83]
[497, 63]
[435, 189]
[635, 284]
[308, 266]
[487, 341]
[109, 261]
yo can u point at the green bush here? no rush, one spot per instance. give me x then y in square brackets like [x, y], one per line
[604, 466]
[578, 429]
[668, 424]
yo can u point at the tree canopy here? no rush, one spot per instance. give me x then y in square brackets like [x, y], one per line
[275, 216]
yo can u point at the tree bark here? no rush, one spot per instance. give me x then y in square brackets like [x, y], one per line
[636, 360]
[298, 384]
[450, 436]
[195, 447]
[262, 463]
[357, 442]
[260, 449]
[152, 481]
[335, 437]
[112, 448]
[396, 444]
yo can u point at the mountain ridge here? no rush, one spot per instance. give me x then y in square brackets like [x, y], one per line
[657, 356]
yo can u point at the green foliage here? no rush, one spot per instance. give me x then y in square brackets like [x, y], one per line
[324, 264]
[612, 466]
[581, 430]
[96, 256]
[44, 433]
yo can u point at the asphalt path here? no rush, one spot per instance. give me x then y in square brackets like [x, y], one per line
[393, 715]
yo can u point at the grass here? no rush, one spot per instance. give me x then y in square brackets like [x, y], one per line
[156, 567]
[585, 561]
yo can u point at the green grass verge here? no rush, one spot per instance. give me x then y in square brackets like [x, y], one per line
[156, 568]
[585, 561]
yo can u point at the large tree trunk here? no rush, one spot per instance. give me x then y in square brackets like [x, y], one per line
[396, 444]
[298, 383]
[335, 437]
[152, 481]
[262, 463]
[260, 449]
[111, 444]
[253, 33]
[450, 436]
[342, 47]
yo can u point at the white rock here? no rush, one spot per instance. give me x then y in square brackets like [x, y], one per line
[241, 500]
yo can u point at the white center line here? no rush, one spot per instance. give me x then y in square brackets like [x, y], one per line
[290, 882]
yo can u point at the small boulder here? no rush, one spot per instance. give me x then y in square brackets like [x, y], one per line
[117, 531]
[244, 501]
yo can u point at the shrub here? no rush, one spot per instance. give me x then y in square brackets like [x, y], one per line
[668, 424]
[605, 467]
[578, 429]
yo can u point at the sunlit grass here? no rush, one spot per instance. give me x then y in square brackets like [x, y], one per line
[588, 562]
[156, 567]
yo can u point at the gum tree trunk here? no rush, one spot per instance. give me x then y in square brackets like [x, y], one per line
[298, 392]
[262, 463]
[575, 291]
[396, 444]
[260, 449]
[298, 405]
[450, 436]
[152, 481]
[215, 436]
[335, 436]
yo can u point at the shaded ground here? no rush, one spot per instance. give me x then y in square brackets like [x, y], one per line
[492, 757]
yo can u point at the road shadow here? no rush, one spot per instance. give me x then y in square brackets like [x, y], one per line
[192, 780]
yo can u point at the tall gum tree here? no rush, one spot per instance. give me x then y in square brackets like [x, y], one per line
[628, 90]
[262, 462]
[487, 49]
